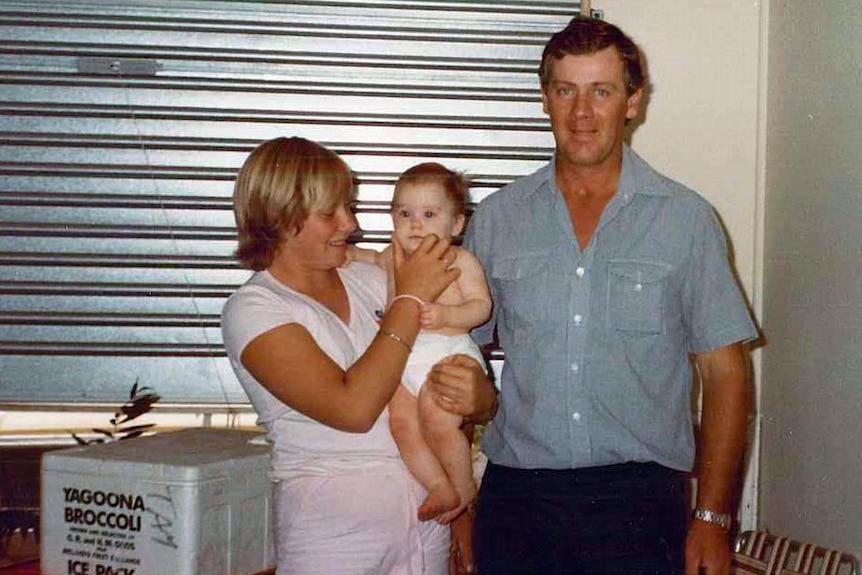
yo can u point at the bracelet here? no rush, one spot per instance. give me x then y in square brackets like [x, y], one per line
[400, 340]
[407, 296]
[709, 516]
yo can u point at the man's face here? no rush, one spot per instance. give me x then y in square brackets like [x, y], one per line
[588, 107]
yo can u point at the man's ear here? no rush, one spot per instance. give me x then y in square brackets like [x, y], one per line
[633, 104]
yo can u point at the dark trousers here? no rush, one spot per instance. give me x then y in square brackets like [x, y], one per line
[619, 519]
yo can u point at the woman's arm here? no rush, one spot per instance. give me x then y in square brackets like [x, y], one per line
[461, 560]
[288, 362]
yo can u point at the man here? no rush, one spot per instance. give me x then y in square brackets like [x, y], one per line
[606, 276]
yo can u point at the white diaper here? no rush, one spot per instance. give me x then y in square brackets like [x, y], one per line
[428, 349]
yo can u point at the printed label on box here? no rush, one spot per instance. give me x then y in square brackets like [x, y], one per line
[104, 528]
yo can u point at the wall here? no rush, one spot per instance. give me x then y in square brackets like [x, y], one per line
[812, 363]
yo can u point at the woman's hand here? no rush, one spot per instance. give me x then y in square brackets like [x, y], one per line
[426, 272]
[459, 385]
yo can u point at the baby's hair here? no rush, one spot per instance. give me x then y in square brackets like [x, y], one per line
[455, 184]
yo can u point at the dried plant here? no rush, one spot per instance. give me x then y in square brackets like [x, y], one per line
[141, 401]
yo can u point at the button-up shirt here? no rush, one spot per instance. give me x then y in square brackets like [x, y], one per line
[597, 341]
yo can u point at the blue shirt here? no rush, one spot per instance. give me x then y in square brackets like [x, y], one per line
[597, 368]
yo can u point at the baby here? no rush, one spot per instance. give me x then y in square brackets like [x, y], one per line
[431, 199]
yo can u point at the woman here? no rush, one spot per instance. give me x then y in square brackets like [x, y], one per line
[320, 357]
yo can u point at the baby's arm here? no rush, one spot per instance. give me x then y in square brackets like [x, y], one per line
[474, 309]
[357, 254]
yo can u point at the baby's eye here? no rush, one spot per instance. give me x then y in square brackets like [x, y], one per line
[430, 214]
[402, 213]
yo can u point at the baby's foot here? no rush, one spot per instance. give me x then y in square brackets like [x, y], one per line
[467, 494]
[449, 516]
[440, 500]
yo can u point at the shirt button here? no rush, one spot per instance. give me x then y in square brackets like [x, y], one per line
[580, 272]
[575, 367]
[578, 319]
[576, 416]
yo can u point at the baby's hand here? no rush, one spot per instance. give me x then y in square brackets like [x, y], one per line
[433, 316]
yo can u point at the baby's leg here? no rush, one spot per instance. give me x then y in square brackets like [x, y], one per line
[418, 457]
[442, 431]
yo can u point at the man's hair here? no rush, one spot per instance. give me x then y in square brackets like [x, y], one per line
[455, 184]
[587, 36]
[281, 183]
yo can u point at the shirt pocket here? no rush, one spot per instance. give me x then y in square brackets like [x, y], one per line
[636, 296]
[521, 286]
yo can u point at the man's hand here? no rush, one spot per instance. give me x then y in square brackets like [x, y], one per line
[707, 549]
[459, 385]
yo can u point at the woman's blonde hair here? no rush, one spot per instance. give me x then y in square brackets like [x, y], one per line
[280, 184]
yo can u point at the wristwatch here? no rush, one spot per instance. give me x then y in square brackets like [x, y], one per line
[720, 519]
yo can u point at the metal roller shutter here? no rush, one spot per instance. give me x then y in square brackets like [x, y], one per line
[122, 125]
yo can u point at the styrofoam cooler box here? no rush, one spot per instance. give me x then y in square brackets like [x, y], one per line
[188, 502]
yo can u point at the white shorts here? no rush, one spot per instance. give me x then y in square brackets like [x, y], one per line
[362, 523]
[428, 349]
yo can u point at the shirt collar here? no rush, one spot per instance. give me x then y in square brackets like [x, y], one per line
[636, 177]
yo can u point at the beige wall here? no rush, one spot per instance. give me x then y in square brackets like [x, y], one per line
[812, 365]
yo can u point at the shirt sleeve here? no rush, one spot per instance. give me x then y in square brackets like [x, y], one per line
[477, 242]
[717, 312]
[248, 313]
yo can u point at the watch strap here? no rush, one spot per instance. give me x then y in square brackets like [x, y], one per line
[709, 516]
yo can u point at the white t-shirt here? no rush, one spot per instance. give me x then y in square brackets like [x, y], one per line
[303, 446]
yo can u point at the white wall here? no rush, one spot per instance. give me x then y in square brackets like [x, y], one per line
[812, 363]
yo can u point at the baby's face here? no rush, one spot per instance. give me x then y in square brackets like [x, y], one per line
[421, 209]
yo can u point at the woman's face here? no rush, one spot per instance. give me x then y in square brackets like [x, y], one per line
[322, 241]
